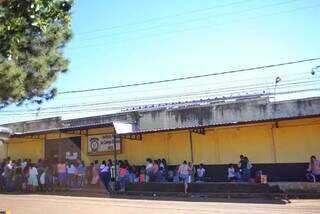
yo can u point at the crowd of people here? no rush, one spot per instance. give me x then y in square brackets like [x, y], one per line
[24, 175]
[158, 171]
[241, 172]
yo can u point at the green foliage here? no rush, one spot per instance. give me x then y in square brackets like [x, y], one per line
[32, 36]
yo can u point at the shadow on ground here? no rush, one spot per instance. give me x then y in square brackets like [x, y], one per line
[184, 198]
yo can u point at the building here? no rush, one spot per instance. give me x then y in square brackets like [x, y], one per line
[277, 137]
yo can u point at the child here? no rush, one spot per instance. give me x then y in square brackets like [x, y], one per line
[231, 173]
[201, 173]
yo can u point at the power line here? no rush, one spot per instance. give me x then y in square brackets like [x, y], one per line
[190, 20]
[220, 91]
[184, 86]
[225, 90]
[166, 17]
[115, 108]
[192, 29]
[191, 77]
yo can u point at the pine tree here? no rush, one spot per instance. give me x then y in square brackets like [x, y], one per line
[33, 34]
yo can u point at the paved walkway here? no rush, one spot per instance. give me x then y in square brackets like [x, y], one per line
[42, 204]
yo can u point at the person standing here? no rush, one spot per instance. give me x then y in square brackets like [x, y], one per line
[192, 172]
[249, 167]
[95, 173]
[71, 174]
[8, 175]
[81, 174]
[155, 171]
[184, 172]
[61, 170]
[243, 166]
[18, 177]
[48, 170]
[105, 175]
[33, 178]
[149, 168]
[314, 169]
[123, 176]
[24, 164]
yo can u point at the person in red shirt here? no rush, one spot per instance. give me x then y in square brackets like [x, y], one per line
[123, 176]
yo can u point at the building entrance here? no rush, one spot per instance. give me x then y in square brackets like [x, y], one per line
[60, 150]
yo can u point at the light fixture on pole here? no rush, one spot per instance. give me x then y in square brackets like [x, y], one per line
[278, 79]
[315, 69]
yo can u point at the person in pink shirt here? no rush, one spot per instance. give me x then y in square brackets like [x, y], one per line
[95, 173]
[123, 176]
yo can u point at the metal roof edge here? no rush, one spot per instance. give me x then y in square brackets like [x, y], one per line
[222, 124]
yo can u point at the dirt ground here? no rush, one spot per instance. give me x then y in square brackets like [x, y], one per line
[41, 204]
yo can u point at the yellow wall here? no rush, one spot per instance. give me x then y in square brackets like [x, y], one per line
[26, 148]
[250, 141]
[288, 142]
[297, 143]
[3, 151]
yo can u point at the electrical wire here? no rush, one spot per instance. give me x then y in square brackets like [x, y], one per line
[192, 77]
[190, 20]
[222, 91]
[164, 17]
[192, 29]
[224, 98]
[107, 94]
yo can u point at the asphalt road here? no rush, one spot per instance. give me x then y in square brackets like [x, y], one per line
[42, 204]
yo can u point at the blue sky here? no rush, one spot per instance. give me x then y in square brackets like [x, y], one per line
[124, 41]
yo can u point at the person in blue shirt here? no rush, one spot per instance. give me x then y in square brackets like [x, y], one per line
[81, 174]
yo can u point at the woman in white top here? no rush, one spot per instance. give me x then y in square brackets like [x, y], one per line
[33, 178]
[105, 176]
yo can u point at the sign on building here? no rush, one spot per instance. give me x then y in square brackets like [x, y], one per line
[102, 144]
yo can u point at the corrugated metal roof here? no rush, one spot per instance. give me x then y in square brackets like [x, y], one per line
[145, 131]
[221, 124]
[110, 124]
[70, 128]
